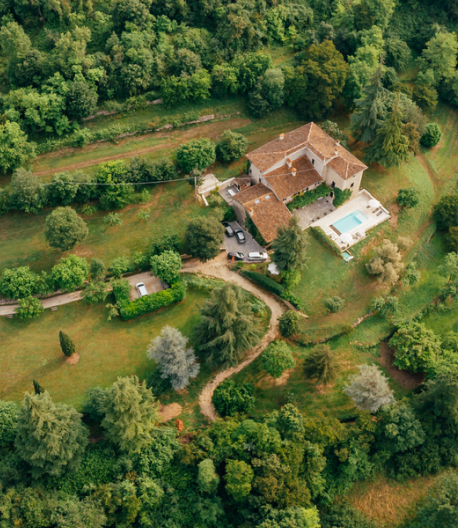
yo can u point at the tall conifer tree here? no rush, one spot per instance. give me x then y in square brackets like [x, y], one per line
[66, 344]
[50, 436]
[290, 247]
[391, 146]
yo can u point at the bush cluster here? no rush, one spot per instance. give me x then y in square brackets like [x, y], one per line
[308, 197]
[265, 282]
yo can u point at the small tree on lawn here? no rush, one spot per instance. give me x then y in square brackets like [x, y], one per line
[37, 387]
[369, 389]
[177, 362]
[17, 283]
[70, 273]
[289, 323]
[290, 247]
[64, 229]
[66, 344]
[321, 364]
[130, 413]
[196, 154]
[408, 198]
[277, 358]
[166, 266]
[29, 308]
[228, 326]
[50, 436]
[97, 269]
[387, 263]
[417, 348]
[203, 238]
[231, 147]
[334, 304]
[432, 135]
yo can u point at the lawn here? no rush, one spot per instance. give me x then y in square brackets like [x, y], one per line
[108, 349]
[172, 206]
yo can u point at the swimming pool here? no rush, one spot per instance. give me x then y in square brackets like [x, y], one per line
[350, 221]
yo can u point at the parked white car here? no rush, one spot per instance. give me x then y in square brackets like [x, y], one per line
[141, 289]
[256, 255]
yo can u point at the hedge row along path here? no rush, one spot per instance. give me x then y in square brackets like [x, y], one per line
[218, 269]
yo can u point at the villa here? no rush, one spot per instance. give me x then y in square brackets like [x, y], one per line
[297, 162]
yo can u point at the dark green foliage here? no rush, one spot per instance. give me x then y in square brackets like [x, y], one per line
[446, 212]
[268, 94]
[203, 238]
[289, 323]
[385, 305]
[227, 327]
[290, 247]
[168, 242]
[408, 198]
[277, 358]
[340, 197]
[81, 99]
[8, 418]
[119, 266]
[50, 437]
[309, 197]
[207, 478]
[149, 170]
[321, 364]
[26, 192]
[334, 131]
[38, 389]
[66, 344]
[344, 516]
[416, 347]
[196, 154]
[231, 398]
[334, 304]
[264, 282]
[398, 429]
[149, 303]
[92, 405]
[95, 292]
[440, 508]
[432, 136]
[231, 147]
[97, 269]
[157, 384]
[323, 238]
[65, 229]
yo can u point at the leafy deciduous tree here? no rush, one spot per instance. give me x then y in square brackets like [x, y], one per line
[65, 229]
[196, 154]
[207, 478]
[203, 238]
[239, 477]
[70, 273]
[29, 307]
[369, 389]
[387, 263]
[277, 358]
[231, 146]
[166, 266]
[16, 151]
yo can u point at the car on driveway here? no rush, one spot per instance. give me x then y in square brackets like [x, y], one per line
[228, 229]
[240, 235]
[141, 289]
[256, 255]
[236, 255]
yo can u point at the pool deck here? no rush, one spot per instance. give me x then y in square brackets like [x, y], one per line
[375, 216]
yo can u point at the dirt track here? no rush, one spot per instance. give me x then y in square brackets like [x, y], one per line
[218, 269]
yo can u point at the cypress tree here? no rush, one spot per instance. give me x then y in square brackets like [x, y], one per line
[66, 344]
[391, 146]
[371, 109]
[50, 437]
[37, 387]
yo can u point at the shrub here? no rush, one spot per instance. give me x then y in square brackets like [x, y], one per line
[340, 197]
[387, 263]
[18, 283]
[70, 273]
[29, 308]
[324, 239]
[152, 302]
[408, 198]
[289, 323]
[166, 266]
[64, 229]
[385, 306]
[264, 282]
[277, 358]
[95, 291]
[93, 401]
[196, 154]
[231, 146]
[8, 418]
[121, 290]
[334, 304]
[230, 398]
[432, 136]
[167, 242]
[321, 364]
[119, 266]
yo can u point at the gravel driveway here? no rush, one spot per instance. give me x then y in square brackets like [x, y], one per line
[250, 245]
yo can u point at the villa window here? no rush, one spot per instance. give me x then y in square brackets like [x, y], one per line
[352, 185]
[259, 180]
[313, 161]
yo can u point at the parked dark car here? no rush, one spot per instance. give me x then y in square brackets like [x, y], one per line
[228, 229]
[235, 255]
[240, 236]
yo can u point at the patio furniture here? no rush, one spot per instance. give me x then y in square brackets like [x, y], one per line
[379, 213]
[230, 192]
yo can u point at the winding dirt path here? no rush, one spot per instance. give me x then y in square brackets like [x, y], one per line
[218, 269]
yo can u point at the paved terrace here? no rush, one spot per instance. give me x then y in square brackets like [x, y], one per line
[375, 216]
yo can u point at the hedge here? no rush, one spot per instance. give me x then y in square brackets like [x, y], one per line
[307, 198]
[149, 303]
[323, 237]
[265, 282]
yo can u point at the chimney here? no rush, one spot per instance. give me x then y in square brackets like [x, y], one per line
[281, 137]
[336, 152]
[293, 172]
[289, 162]
[250, 212]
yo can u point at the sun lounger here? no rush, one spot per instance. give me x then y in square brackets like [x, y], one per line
[379, 213]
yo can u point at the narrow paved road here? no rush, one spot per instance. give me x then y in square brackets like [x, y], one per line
[218, 269]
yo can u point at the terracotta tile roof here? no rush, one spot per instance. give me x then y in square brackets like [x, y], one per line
[314, 138]
[265, 209]
[286, 184]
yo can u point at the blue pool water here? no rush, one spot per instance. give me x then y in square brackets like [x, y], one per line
[350, 221]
